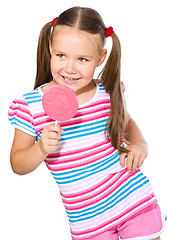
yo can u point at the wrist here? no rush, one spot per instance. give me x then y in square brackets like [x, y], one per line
[41, 151]
[140, 144]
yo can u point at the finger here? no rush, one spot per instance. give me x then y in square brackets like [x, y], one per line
[135, 163]
[60, 130]
[142, 158]
[55, 128]
[52, 149]
[53, 142]
[54, 135]
[123, 159]
[130, 158]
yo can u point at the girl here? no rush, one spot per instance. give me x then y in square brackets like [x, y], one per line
[105, 195]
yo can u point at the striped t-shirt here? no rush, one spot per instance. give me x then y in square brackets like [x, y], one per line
[97, 192]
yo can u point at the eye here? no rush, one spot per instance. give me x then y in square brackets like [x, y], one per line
[61, 56]
[83, 60]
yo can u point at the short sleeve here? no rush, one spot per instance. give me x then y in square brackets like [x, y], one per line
[123, 88]
[20, 116]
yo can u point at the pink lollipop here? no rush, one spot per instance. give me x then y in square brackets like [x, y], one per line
[60, 103]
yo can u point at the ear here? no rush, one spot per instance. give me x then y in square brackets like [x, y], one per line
[102, 57]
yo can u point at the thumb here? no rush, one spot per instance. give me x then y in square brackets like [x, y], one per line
[57, 128]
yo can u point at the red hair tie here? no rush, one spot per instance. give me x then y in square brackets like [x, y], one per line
[109, 31]
[53, 21]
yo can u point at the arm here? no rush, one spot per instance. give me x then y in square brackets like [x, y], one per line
[26, 155]
[138, 148]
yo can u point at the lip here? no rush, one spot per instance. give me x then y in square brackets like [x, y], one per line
[70, 80]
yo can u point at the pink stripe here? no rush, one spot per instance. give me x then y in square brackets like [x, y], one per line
[89, 189]
[68, 153]
[85, 155]
[38, 130]
[16, 108]
[39, 115]
[141, 202]
[94, 187]
[114, 180]
[18, 101]
[43, 121]
[84, 163]
[43, 114]
[96, 103]
[96, 110]
[72, 122]
[88, 119]
[22, 117]
[89, 203]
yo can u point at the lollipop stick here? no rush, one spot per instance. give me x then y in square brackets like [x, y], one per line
[56, 122]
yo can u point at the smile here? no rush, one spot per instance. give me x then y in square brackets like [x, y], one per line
[70, 79]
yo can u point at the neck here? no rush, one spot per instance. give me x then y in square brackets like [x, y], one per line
[86, 94]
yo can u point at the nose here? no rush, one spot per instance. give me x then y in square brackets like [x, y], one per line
[70, 67]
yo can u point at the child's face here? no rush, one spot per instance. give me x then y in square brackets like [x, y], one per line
[74, 56]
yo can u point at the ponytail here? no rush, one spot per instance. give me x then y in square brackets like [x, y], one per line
[110, 77]
[43, 74]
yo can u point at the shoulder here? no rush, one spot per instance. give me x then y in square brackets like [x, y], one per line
[33, 96]
[101, 86]
[21, 111]
[26, 101]
[123, 87]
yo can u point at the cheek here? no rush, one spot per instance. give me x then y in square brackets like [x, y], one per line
[88, 71]
[54, 66]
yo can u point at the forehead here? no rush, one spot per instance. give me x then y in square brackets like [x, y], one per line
[72, 38]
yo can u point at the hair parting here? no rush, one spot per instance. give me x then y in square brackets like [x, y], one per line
[89, 20]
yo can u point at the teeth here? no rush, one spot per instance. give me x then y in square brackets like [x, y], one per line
[70, 78]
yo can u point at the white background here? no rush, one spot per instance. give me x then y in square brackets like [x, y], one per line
[30, 205]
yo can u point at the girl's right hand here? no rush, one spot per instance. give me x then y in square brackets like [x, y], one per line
[50, 138]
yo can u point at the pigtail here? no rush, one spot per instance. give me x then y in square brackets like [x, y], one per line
[110, 76]
[43, 74]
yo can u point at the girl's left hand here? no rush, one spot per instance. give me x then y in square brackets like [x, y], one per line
[135, 157]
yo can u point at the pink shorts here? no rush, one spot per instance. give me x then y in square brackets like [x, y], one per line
[148, 224]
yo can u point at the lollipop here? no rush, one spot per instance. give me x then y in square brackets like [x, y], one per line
[60, 103]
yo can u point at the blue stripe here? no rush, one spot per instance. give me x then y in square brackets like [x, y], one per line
[32, 94]
[87, 175]
[84, 125]
[32, 97]
[112, 203]
[84, 130]
[81, 135]
[34, 101]
[111, 206]
[93, 166]
[127, 184]
[102, 88]
[16, 122]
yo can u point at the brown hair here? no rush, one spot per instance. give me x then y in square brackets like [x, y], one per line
[89, 20]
